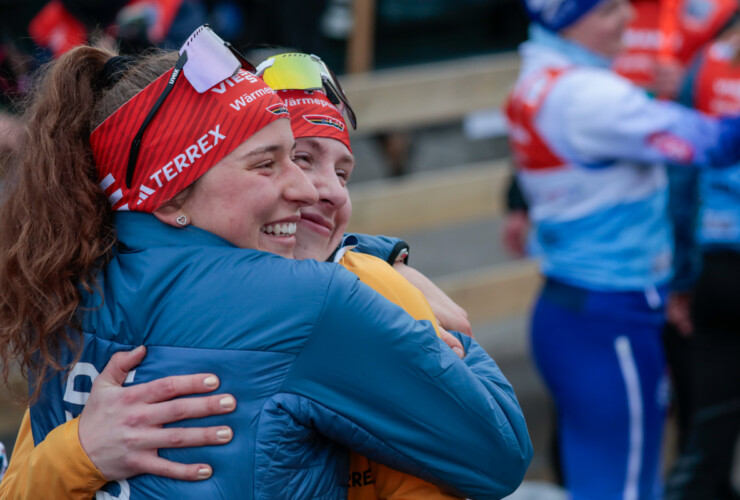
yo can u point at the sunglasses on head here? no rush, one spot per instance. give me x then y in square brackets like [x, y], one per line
[296, 71]
[206, 60]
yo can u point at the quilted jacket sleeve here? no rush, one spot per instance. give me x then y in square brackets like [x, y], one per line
[387, 387]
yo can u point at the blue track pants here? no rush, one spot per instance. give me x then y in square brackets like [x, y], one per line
[601, 356]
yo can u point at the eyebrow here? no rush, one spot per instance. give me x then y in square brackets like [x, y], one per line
[313, 142]
[270, 148]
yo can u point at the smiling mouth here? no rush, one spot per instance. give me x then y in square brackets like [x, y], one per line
[319, 221]
[280, 230]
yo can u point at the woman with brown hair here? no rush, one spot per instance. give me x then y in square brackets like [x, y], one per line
[198, 172]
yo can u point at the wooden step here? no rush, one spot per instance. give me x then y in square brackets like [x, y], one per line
[430, 199]
[494, 293]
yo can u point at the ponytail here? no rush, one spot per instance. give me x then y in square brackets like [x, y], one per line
[56, 226]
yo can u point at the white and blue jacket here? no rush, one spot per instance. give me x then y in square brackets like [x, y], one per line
[600, 213]
[317, 361]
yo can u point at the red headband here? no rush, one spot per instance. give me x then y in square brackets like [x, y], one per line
[190, 133]
[313, 115]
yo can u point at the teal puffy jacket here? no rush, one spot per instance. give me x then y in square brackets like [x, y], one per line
[318, 362]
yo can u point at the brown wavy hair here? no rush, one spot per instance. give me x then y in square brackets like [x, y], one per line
[56, 226]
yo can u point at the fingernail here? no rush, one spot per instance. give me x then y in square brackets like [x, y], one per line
[211, 382]
[227, 403]
[224, 434]
[204, 472]
[459, 352]
[138, 350]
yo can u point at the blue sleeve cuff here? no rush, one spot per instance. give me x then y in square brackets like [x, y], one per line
[383, 247]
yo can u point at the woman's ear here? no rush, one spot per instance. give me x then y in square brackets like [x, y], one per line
[172, 212]
[171, 216]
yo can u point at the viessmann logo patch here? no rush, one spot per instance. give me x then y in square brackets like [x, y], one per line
[673, 147]
[324, 120]
[278, 109]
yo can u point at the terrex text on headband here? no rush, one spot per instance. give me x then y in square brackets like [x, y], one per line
[206, 60]
[171, 132]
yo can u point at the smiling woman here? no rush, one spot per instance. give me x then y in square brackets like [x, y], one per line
[192, 266]
[323, 152]
[252, 197]
[328, 164]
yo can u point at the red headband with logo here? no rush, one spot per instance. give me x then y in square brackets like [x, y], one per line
[190, 133]
[313, 115]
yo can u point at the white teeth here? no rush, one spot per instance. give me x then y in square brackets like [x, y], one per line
[286, 229]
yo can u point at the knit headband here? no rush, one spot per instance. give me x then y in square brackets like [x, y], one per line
[191, 131]
[313, 115]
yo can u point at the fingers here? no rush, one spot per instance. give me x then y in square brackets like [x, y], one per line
[463, 324]
[187, 437]
[454, 318]
[184, 408]
[120, 364]
[514, 235]
[184, 472]
[168, 388]
[453, 342]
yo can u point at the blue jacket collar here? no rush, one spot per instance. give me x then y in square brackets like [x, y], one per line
[138, 230]
[574, 52]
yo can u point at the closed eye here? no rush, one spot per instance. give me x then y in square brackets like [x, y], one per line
[265, 165]
[343, 175]
[302, 159]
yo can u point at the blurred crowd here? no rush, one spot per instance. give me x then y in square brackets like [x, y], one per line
[36, 31]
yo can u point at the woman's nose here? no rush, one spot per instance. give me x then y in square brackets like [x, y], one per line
[300, 190]
[330, 189]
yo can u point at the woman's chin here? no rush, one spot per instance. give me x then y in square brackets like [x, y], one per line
[279, 245]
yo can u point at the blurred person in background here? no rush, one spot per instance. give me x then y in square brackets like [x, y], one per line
[656, 61]
[132, 25]
[35, 31]
[657, 54]
[640, 60]
[590, 149]
[656, 51]
[44, 29]
[706, 314]
[499, 480]
[285, 23]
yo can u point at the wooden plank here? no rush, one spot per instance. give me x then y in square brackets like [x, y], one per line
[428, 94]
[494, 293]
[429, 199]
[361, 44]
